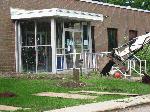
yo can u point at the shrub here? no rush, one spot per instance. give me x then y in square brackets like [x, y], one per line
[144, 54]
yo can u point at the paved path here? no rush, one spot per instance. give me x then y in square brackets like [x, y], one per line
[8, 108]
[140, 108]
[107, 105]
[66, 95]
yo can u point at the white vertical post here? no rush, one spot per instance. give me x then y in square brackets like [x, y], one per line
[36, 48]
[130, 67]
[53, 44]
[140, 68]
[89, 35]
[63, 46]
[90, 43]
[19, 39]
[81, 25]
[16, 46]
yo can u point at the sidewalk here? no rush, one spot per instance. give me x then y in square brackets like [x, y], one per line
[107, 105]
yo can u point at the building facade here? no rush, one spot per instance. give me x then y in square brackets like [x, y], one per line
[53, 35]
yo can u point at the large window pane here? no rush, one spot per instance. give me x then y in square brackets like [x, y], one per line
[28, 59]
[69, 61]
[85, 38]
[43, 33]
[112, 38]
[28, 30]
[72, 25]
[132, 34]
[69, 44]
[36, 51]
[59, 32]
[92, 37]
[78, 42]
[44, 59]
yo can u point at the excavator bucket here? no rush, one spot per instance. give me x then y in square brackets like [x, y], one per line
[127, 51]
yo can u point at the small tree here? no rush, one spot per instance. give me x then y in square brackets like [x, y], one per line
[144, 54]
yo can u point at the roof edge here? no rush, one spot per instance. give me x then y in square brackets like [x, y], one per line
[17, 13]
[117, 6]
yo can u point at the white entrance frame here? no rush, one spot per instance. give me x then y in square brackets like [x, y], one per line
[18, 46]
[73, 30]
[53, 44]
[20, 14]
[74, 53]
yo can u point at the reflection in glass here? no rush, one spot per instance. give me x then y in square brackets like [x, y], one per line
[69, 44]
[44, 59]
[59, 32]
[43, 33]
[78, 42]
[28, 37]
[69, 60]
[85, 38]
[36, 47]
[29, 59]
[72, 24]
[77, 61]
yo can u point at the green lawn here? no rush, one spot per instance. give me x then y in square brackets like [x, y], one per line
[24, 88]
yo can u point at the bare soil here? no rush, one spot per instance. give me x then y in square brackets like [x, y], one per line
[7, 95]
[72, 84]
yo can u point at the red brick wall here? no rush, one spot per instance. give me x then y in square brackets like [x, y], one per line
[122, 19]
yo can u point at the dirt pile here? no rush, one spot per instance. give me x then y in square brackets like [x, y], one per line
[72, 84]
[7, 95]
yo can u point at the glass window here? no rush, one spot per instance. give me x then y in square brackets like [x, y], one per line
[112, 38]
[78, 42]
[93, 40]
[28, 37]
[132, 34]
[85, 38]
[44, 58]
[43, 33]
[28, 59]
[59, 32]
[36, 50]
[72, 24]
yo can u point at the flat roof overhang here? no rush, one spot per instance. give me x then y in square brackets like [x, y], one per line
[17, 14]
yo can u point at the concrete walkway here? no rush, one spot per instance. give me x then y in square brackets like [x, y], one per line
[9, 108]
[107, 105]
[65, 95]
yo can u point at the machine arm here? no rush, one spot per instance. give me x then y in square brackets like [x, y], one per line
[121, 54]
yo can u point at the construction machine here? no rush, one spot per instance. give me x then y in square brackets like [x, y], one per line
[120, 55]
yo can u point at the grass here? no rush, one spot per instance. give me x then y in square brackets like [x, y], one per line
[24, 88]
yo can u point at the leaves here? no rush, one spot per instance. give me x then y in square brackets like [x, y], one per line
[140, 4]
[144, 54]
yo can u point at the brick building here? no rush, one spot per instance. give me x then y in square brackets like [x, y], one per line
[52, 35]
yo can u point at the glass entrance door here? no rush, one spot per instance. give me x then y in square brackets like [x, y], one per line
[72, 43]
[69, 49]
[73, 48]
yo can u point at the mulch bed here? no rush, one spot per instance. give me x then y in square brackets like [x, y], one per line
[7, 95]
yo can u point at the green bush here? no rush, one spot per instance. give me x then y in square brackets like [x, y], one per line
[144, 54]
